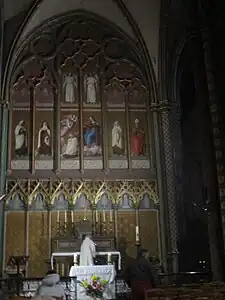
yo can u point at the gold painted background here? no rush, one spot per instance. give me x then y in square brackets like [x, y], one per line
[37, 236]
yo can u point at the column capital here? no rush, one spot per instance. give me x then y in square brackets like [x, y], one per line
[160, 106]
[3, 102]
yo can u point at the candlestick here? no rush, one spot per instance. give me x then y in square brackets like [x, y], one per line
[96, 216]
[65, 216]
[58, 216]
[72, 220]
[111, 215]
[103, 216]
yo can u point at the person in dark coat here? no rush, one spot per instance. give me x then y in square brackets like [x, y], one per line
[141, 276]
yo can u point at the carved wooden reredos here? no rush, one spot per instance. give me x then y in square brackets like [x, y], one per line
[80, 103]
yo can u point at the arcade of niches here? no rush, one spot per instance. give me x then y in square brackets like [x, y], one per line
[81, 142]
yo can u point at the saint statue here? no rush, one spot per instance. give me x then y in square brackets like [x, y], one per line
[92, 137]
[137, 139]
[21, 139]
[44, 135]
[69, 86]
[117, 139]
[91, 87]
[87, 252]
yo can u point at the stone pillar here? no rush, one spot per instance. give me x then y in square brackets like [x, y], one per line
[166, 169]
[161, 189]
[4, 143]
[170, 185]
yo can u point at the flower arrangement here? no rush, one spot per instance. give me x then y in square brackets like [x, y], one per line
[95, 287]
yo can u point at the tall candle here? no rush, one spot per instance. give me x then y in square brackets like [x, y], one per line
[72, 220]
[96, 216]
[85, 214]
[58, 216]
[103, 216]
[65, 216]
[111, 215]
[137, 234]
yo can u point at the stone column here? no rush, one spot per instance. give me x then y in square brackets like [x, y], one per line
[3, 144]
[165, 170]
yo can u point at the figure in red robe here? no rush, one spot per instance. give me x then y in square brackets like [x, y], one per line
[137, 139]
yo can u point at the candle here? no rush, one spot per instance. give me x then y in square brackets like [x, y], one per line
[109, 258]
[137, 234]
[65, 216]
[96, 216]
[111, 215]
[103, 216]
[75, 259]
[58, 216]
[85, 214]
[63, 270]
[72, 220]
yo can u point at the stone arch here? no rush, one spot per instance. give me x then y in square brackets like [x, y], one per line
[80, 203]
[38, 202]
[15, 202]
[60, 200]
[127, 15]
[104, 201]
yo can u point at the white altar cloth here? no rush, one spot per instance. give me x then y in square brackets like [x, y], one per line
[107, 272]
[75, 254]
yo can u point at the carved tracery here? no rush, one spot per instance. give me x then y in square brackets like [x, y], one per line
[79, 101]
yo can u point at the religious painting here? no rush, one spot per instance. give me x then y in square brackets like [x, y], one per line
[139, 139]
[115, 94]
[117, 142]
[44, 139]
[38, 203]
[138, 130]
[92, 134]
[70, 89]
[60, 202]
[91, 89]
[20, 139]
[44, 91]
[69, 135]
[69, 139]
[20, 92]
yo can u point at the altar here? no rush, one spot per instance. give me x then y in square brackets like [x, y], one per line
[107, 272]
[76, 254]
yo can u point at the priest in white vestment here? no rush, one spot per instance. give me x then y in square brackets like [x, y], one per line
[87, 252]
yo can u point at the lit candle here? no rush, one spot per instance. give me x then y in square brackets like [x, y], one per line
[111, 215]
[58, 216]
[65, 216]
[75, 259]
[72, 220]
[96, 216]
[103, 216]
[137, 234]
